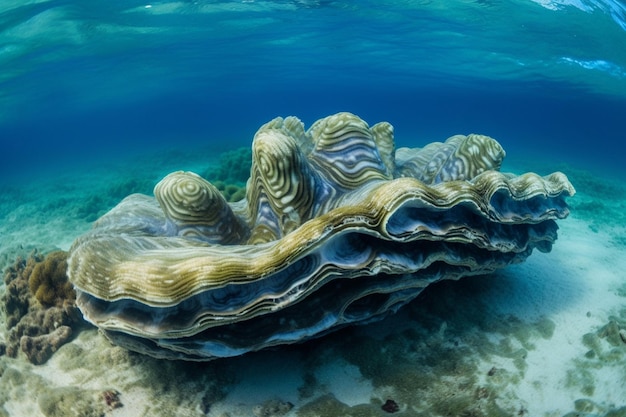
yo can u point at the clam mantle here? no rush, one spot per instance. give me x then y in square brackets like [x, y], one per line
[337, 227]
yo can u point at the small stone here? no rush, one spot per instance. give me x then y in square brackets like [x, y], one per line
[390, 406]
[112, 399]
[622, 335]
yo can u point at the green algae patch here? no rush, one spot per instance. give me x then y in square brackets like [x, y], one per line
[606, 347]
[581, 378]
[621, 291]
[172, 388]
[71, 401]
[545, 327]
[34, 395]
[620, 412]
[601, 202]
[309, 385]
[233, 167]
[585, 407]
[328, 405]
[231, 192]
[613, 332]
[93, 206]
[231, 174]
[608, 343]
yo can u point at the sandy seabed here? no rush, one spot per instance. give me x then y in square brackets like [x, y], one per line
[542, 338]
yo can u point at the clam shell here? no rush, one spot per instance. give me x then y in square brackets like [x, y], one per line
[335, 229]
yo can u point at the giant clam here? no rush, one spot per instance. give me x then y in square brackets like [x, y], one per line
[337, 227]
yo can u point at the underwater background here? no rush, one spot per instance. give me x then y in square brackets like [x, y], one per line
[82, 80]
[100, 99]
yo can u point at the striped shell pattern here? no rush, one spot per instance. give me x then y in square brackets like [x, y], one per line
[337, 227]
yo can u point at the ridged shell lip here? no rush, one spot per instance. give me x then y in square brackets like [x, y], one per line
[337, 227]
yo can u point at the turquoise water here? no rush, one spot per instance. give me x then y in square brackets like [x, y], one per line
[82, 80]
[102, 98]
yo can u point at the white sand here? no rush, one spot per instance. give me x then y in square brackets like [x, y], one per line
[575, 287]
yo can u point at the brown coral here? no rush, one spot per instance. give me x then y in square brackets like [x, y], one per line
[16, 299]
[39, 304]
[39, 349]
[48, 280]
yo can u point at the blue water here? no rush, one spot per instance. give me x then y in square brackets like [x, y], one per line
[87, 84]
[82, 80]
